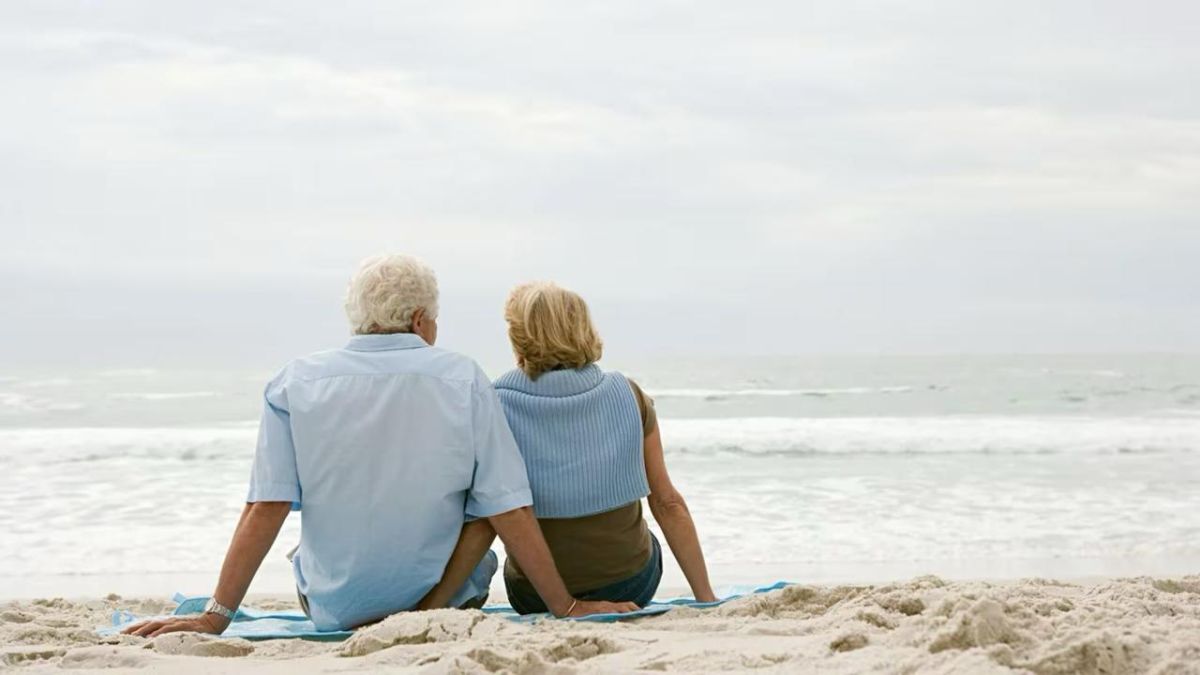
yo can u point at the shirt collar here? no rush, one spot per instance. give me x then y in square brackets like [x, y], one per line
[385, 342]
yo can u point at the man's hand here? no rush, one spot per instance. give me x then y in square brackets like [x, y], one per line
[586, 607]
[214, 624]
[255, 533]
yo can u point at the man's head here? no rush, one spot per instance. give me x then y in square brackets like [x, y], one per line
[393, 294]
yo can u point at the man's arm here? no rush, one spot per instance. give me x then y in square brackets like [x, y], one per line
[473, 543]
[523, 539]
[255, 533]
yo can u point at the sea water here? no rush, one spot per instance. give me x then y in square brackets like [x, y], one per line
[805, 469]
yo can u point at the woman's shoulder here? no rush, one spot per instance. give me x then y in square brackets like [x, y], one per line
[638, 392]
[645, 406]
[513, 379]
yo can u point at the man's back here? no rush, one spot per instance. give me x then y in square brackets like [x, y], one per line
[386, 445]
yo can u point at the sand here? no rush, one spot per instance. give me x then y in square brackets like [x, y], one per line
[925, 625]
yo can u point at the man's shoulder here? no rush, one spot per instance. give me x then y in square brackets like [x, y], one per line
[454, 364]
[307, 365]
[431, 362]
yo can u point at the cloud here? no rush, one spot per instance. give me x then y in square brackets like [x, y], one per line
[1010, 160]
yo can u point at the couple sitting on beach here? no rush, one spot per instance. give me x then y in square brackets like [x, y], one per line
[407, 462]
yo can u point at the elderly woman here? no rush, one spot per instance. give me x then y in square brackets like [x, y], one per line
[591, 445]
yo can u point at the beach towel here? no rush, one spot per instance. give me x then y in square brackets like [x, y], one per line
[254, 624]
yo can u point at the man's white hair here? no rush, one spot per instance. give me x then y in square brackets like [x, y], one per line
[386, 291]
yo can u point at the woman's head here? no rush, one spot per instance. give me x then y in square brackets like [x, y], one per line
[550, 328]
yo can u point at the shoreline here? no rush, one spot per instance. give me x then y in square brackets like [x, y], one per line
[274, 580]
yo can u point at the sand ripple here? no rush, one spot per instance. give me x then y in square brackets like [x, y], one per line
[1117, 627]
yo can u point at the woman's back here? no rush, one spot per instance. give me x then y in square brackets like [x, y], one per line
[592, 450]
[580, 432]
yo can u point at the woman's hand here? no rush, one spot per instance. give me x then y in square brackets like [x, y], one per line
[586, 607]
[213, 624]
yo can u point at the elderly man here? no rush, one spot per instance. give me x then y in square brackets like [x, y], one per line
[389, 446]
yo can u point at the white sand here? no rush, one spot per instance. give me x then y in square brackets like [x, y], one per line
[1138, 625]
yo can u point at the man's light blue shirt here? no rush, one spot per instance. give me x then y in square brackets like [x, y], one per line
[386, 445]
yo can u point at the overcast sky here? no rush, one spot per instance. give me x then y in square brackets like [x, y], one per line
[194, 182]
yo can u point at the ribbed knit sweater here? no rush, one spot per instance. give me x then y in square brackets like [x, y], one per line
[580, 433]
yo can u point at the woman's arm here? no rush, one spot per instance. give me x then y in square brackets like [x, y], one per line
[671, 512]
[255, 533]
[523, 539]
[473, 543]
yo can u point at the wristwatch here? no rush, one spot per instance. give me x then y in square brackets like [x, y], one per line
[214, 607]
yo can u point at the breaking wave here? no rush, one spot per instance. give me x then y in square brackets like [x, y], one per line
[929, 435]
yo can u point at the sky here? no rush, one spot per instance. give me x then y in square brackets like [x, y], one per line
[192, 183]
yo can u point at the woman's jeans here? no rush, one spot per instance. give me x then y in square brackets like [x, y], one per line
[638, 589]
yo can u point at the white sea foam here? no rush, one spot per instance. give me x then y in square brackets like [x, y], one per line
[18, 403]
[129, 372]
[930, 435]
[1179, 412]
[161, 395]
[15, 402]
[57, 445]
[797, 437]
[51, 382]
[720, 394]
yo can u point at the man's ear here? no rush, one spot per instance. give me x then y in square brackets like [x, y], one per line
[418, 318]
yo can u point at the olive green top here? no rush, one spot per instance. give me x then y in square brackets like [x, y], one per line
[597, 550]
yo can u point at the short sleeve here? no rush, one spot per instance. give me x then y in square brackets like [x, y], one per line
[500, 483]
[646, 408]
[274, 477]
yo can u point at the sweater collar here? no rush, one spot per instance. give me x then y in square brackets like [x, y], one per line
[554, 383]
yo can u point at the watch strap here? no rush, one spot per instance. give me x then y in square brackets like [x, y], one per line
[214, 607]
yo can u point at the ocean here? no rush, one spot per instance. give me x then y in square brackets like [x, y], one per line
[829, 469]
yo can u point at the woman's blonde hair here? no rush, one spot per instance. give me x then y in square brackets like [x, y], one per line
[550, 328]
